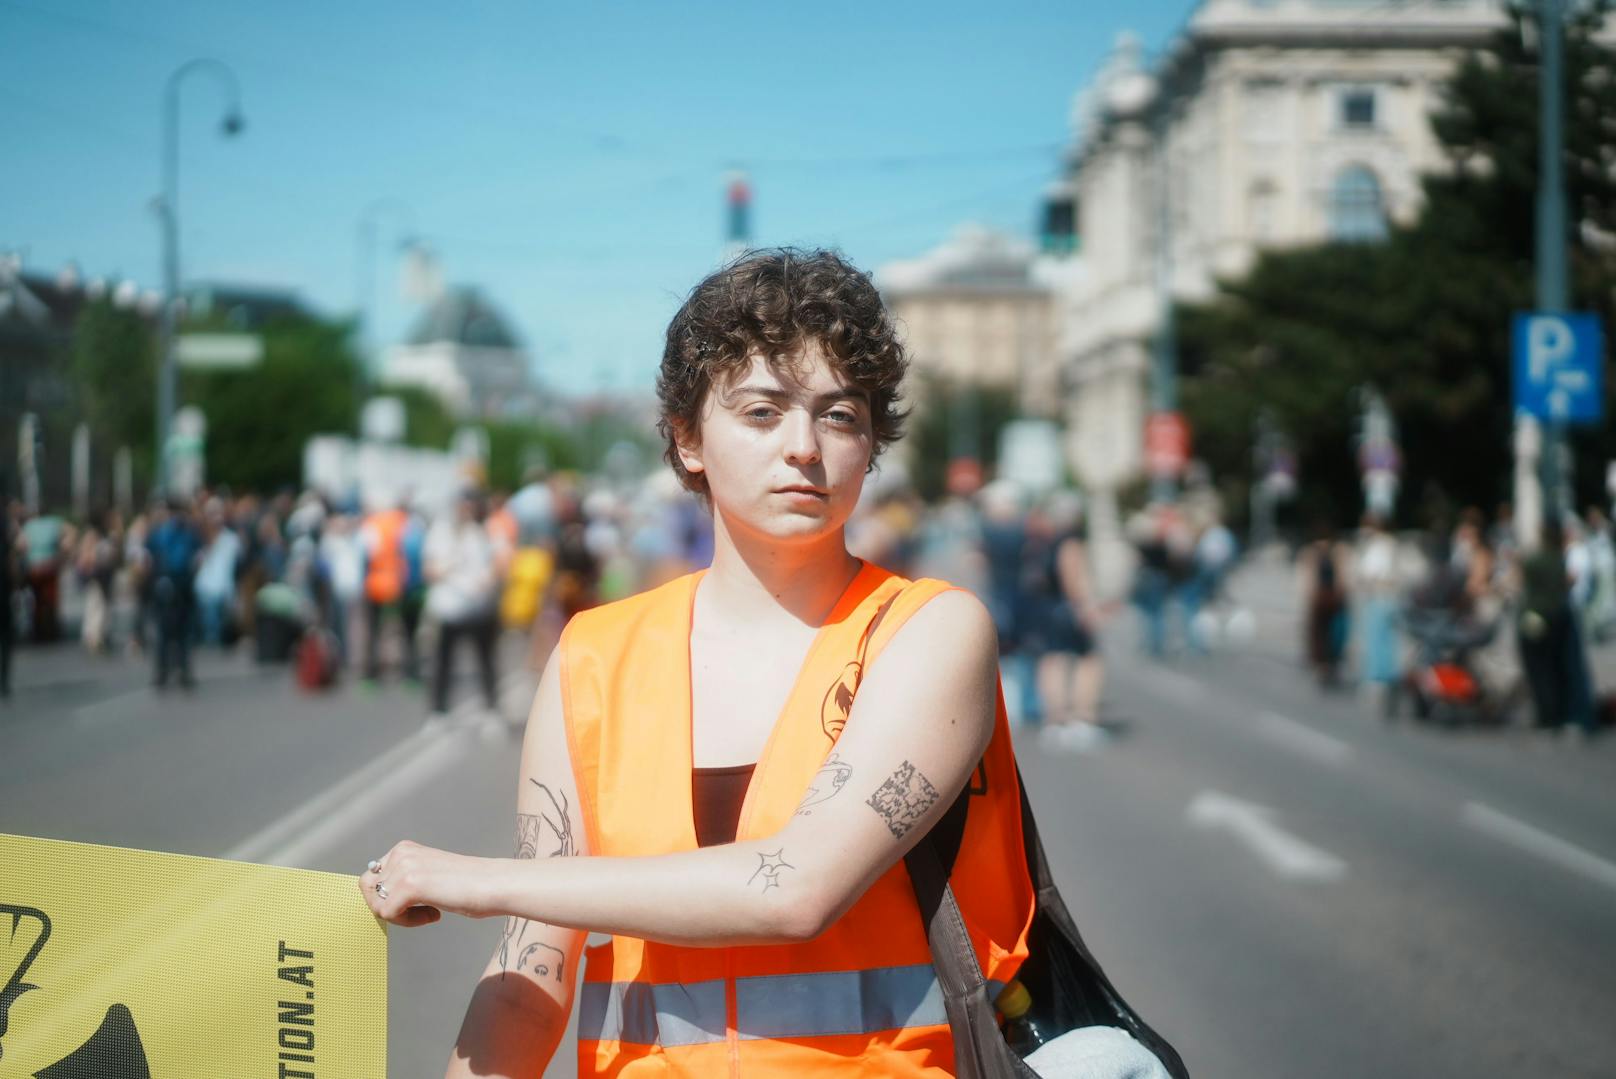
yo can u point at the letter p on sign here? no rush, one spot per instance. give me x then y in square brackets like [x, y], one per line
[1559, 362]
[1549, 343]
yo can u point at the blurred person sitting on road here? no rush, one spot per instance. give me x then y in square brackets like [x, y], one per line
[700, 778]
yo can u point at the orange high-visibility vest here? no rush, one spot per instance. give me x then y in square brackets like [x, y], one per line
[384, 568]
[860, 999]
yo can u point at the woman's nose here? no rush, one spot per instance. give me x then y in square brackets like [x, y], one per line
[802, 440]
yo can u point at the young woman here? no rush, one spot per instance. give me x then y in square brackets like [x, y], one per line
[725, 773]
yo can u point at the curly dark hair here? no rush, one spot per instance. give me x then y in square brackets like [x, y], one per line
[774, 302]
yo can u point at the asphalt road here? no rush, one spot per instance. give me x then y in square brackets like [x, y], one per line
[1284, 885]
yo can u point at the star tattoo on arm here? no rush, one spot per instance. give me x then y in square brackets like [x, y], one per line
[769, 866]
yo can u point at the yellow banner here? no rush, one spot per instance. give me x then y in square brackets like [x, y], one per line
[127, 964]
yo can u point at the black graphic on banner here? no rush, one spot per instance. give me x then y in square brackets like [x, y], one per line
[114, 1051]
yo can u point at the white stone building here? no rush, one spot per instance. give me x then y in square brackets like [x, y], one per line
[1273, 123]
[463, 351]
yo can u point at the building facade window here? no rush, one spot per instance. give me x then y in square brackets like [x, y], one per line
[1357, 210]
[1357, 107]
[1263, 107]
[1263, 208]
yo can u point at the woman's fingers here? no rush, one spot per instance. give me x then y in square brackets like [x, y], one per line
[387, 885]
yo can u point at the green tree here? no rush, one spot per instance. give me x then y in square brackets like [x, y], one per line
[259, 419]
[427, 423]
[114, 373]
[1424, 316]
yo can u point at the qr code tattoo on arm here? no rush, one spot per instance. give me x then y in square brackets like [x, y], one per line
[903, 799]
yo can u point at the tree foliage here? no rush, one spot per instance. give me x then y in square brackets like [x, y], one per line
[260, 418]
[1424, 316]
[114, 373]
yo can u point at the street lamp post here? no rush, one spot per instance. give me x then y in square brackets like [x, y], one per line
[169, 215]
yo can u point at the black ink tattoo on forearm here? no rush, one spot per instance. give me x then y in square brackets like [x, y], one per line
[543, 964]
[553, 832]
[828, 783]
[769, 867]
[903, 799]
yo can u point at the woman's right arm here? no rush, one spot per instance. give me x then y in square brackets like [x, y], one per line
[520, 1007]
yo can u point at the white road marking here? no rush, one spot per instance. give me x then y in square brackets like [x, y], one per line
[301, 836]
[1300, 738]
[1254, 825]
[1550, 848]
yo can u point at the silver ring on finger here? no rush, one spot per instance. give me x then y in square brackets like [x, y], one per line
[381, 889]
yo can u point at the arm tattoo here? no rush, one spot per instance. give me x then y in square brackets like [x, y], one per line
[833, 776]
[903, 799]
[541, 962]
[769, 866]
[553, 831]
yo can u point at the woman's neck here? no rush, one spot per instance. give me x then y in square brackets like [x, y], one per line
[757, 577]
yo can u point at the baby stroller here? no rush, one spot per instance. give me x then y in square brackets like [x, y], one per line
[1442, 681]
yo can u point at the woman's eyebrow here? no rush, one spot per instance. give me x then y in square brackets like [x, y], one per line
[777, 393]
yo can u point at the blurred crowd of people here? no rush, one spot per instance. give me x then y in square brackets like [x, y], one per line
[1467, 603]
[333, 588]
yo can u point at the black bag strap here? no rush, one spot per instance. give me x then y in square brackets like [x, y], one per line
[980, 1051]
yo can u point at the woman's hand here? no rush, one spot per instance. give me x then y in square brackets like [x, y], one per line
[413, 885]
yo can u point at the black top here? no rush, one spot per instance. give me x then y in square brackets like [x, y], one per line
[717, 795]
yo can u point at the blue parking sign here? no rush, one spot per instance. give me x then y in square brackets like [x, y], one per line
[1559, 366]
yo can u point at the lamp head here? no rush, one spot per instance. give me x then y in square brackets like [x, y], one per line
[232, 123]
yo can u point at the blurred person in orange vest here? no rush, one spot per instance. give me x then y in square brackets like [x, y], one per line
[391, 540]
[726, 772]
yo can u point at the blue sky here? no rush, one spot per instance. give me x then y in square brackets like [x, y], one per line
[568, 160]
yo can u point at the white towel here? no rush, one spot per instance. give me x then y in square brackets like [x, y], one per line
[1095, 1053]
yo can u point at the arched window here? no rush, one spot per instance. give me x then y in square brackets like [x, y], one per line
[1357, 212]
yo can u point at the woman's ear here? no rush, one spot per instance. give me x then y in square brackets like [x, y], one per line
[688, 447]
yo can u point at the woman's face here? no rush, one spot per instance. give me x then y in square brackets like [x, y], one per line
[784, 452]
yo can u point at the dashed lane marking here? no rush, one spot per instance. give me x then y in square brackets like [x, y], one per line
[1255, 826]
[1535, 841]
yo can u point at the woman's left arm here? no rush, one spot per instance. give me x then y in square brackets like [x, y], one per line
[921, 721]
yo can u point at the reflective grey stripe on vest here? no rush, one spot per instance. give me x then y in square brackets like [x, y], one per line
[774, 1006]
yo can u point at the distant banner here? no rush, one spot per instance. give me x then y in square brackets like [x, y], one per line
[126, 964]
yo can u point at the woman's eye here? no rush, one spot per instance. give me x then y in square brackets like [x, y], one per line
[844, 416]
[761, 414]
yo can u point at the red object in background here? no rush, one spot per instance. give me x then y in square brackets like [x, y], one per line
[964, 477]
[1167, 443]
[1451, 682]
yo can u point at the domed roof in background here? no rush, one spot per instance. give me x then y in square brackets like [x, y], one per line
[461, 316]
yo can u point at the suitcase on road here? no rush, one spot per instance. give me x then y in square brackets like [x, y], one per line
[316, 659]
